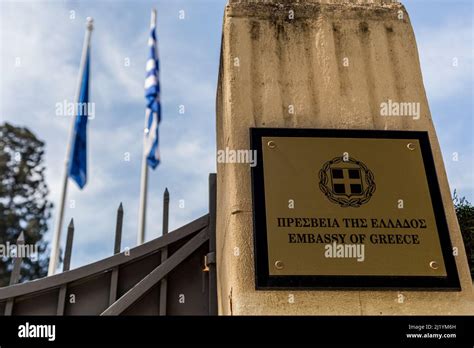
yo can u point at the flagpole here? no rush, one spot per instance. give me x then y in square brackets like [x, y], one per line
[144, 173]
[143, 194]
[54, 258]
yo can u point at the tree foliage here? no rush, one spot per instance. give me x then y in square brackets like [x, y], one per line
[23, 199]
[465, 214]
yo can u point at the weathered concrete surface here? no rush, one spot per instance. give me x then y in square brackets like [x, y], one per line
[269, 62]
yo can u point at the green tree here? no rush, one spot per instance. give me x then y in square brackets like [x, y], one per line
[465, 214]
[23, 199]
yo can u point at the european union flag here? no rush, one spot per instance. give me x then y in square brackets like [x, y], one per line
[78, 161]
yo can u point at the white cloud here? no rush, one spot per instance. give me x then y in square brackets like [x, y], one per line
[441, 47]
[49, 44]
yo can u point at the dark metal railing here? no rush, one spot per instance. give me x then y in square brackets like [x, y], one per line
[120, 300]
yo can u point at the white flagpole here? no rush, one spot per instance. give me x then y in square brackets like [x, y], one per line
[54, 258]
[143, 192]
[144, 173]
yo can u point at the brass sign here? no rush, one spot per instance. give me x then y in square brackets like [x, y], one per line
[348, 208]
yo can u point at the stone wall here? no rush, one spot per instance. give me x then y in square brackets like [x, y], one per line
[334, 62]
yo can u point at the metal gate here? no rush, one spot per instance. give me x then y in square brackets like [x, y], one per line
[171, 275]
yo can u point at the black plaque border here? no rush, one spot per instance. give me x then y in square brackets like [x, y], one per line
[264, 281]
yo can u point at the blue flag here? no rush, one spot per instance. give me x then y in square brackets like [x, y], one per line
[152, 95]
[78, 161]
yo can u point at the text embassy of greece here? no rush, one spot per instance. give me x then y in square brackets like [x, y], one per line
[390, 230]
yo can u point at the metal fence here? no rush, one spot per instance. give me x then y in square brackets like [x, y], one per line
[174, 274]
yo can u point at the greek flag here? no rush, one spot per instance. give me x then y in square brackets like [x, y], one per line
[78, 161]
[152, 95]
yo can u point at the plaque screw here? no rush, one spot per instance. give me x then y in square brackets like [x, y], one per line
[434, 265]
[271, 144]
[279, 264]
[411, 146]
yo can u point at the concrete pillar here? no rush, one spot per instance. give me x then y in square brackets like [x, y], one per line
[281, 53]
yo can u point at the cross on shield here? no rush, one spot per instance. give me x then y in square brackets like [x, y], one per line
[346, 181]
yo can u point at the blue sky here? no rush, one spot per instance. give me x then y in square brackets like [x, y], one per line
[47, 38]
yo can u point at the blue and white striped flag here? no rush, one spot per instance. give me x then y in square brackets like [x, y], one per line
[152, 95]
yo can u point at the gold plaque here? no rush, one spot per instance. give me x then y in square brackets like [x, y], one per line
[348, 208]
